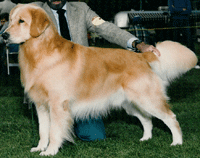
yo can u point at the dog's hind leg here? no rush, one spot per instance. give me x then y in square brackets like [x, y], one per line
[163, 113]
[60, 126]
[44, 122]
[144, 118]
[169, 118]
[148, 94]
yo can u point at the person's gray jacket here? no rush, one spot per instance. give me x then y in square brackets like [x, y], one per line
[80, 16]
[6, 6]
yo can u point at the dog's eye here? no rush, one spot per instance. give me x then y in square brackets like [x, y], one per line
[21, 21]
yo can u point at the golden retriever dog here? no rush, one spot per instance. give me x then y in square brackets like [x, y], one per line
[68, 81]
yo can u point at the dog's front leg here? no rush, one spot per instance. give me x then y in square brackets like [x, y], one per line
[60, 127]
[44, 123]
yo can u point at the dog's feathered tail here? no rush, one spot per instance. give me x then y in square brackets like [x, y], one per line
[174, 61]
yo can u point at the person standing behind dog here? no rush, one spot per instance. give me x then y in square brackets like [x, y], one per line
[80, 19]
[180, 11]
[5, 8]
[4, 24]
[4, 17]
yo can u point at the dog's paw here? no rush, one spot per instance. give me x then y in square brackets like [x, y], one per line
[178, 140]
[177, 143]
[35, 149]
[49, 152]
[145, 138]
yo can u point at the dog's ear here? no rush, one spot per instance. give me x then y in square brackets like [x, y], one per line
[39, 23]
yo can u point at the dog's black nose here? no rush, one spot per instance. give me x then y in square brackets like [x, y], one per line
[5, 35]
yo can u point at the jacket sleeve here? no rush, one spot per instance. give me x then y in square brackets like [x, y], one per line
[107, 30]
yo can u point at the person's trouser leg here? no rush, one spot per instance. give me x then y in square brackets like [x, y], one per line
[90, 130]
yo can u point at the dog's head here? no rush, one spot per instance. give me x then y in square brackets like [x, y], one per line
[26, 21]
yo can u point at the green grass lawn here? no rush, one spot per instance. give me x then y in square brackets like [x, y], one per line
[18, 133]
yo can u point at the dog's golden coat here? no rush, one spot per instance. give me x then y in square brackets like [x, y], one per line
[66, 80]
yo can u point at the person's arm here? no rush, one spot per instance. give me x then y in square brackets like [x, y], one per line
[114, 34]
[105, 29]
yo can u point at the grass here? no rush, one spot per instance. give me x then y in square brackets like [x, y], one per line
[19, 133]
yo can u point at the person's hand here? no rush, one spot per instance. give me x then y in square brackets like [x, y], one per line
[148, 48]
[184, 9]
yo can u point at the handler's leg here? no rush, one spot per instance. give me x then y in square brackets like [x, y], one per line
[90, 130]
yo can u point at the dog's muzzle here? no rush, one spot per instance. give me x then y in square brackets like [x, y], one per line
[5, 36]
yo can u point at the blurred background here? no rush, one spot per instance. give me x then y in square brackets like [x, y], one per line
[108, 8]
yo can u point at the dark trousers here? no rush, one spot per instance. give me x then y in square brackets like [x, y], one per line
[182, 32]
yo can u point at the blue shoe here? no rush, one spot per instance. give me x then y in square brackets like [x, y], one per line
[90, 130]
